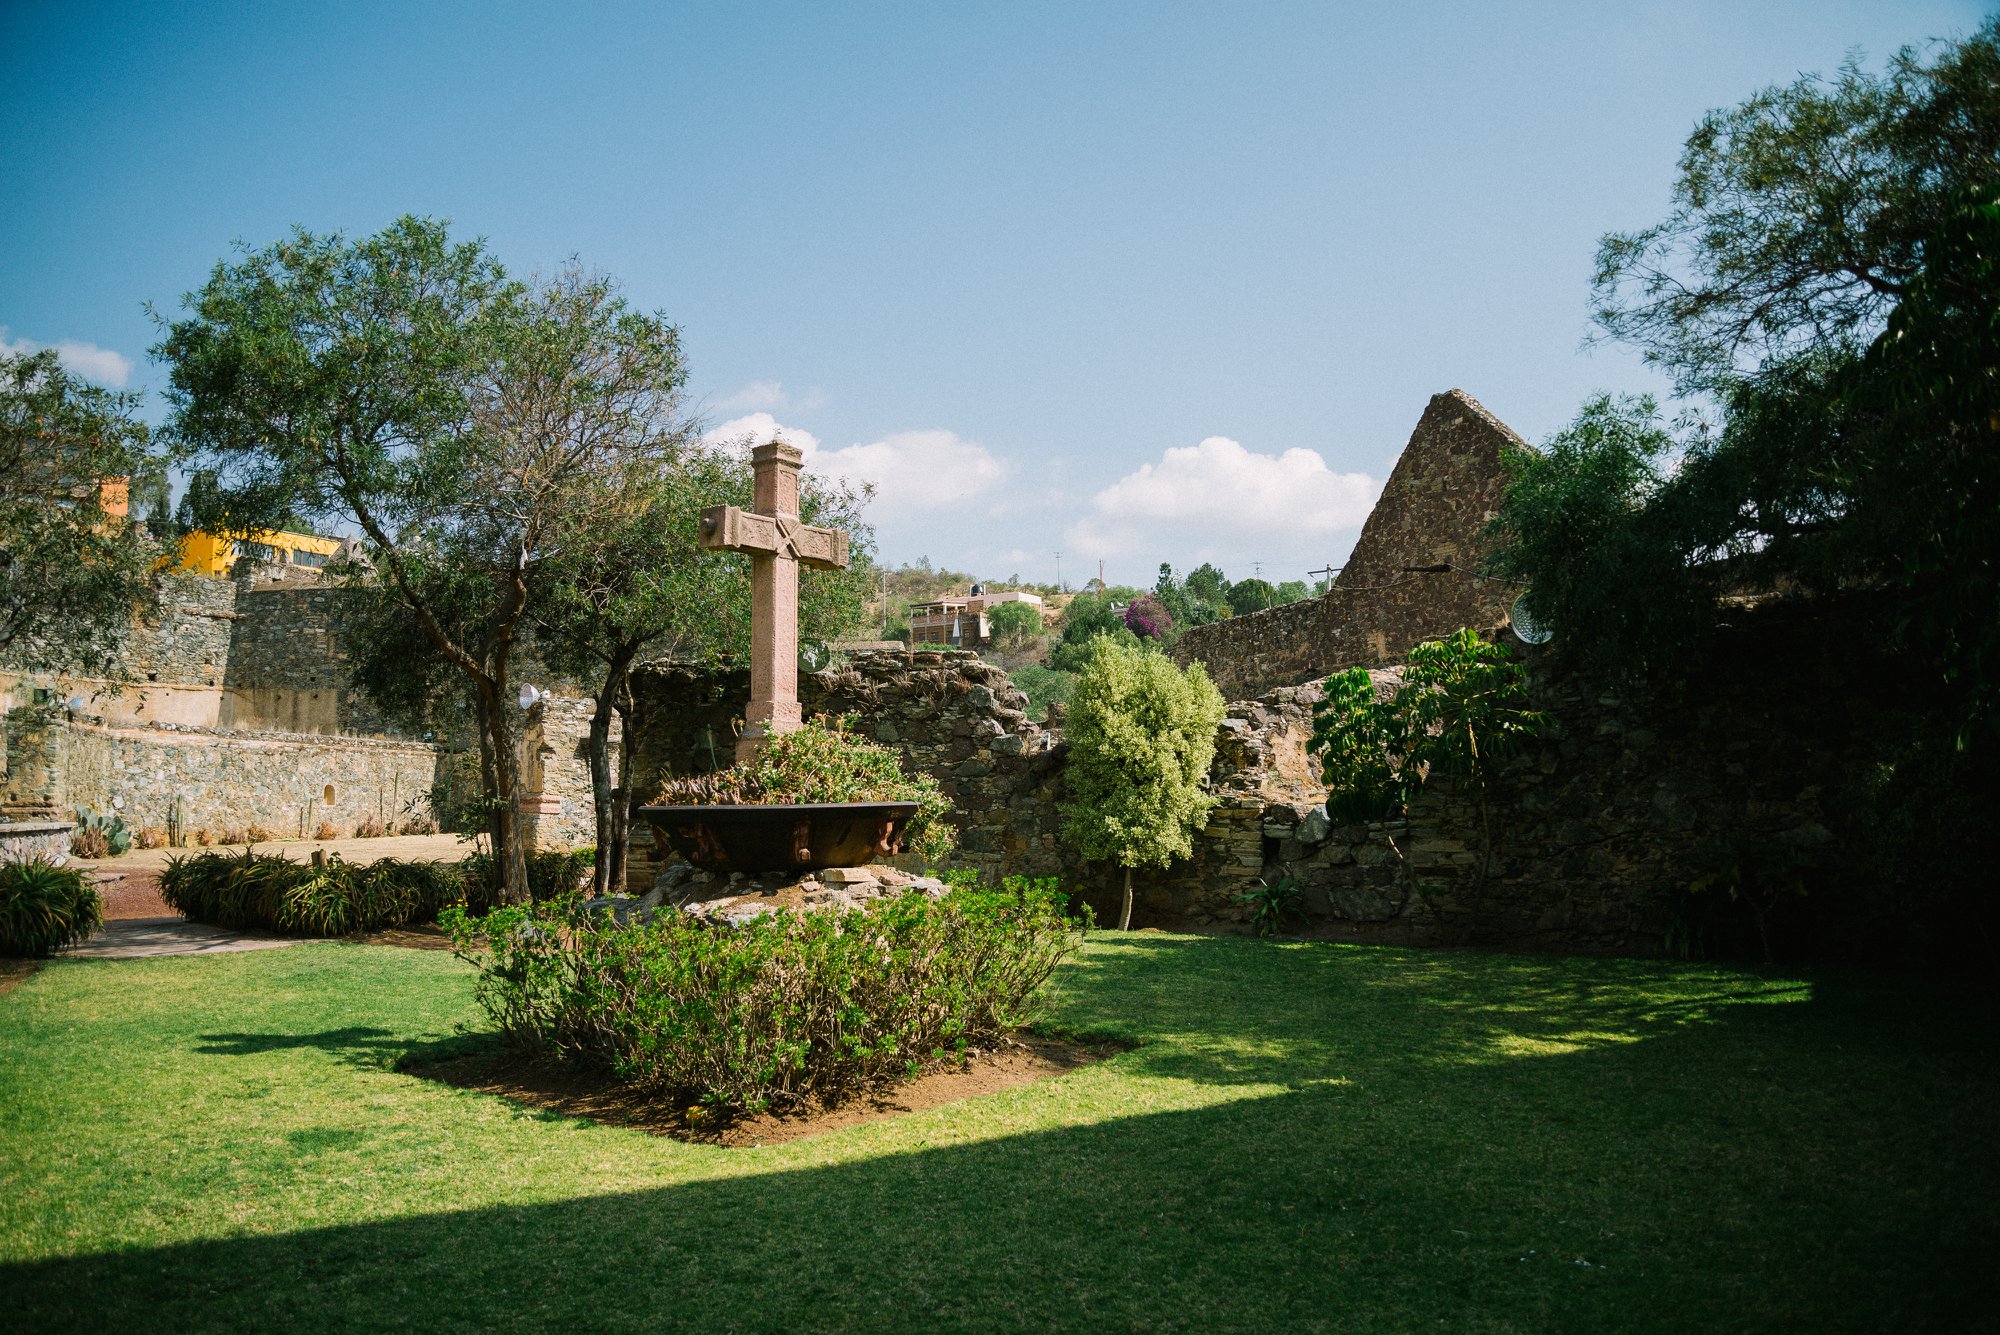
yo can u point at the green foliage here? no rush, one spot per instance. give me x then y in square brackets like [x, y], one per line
[1461, 706]
[552, 873]
[1802, 215]
[1293, 591]
[44, 908]
[1142, 736]
[1014, 624]
[1826, 279]
[1272, 903]
[1044, 686]
[72, 577]
[1252, 595]
[265, 892]
[823, 762]
[784, 1011]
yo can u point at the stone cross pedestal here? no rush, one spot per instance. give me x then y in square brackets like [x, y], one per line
[777, 544]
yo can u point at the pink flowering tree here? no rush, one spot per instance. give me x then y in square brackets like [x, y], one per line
[1147, 618]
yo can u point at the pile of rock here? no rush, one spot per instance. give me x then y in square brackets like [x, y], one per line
[734, 898]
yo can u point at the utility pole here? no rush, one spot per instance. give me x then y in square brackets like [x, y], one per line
[1058, 572]
[1327, 573]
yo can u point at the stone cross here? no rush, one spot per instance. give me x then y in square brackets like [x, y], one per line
[777, 544]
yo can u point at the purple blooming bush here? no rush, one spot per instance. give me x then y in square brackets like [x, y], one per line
[1147, 617]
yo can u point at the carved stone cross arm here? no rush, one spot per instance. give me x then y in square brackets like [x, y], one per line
[731, 528]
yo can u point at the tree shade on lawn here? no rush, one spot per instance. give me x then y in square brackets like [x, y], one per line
[1310, 1136]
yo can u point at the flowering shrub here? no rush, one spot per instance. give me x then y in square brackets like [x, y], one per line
[1147, 617]
[823, 762]
[785, 1010]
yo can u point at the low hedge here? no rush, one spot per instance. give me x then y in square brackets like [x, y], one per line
[44, 907]
[267, 892]
[786, 1010]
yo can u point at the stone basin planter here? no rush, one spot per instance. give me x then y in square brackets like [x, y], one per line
[782, 837]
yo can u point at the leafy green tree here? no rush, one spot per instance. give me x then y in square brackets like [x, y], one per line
[1802, 215]
[1142, 737]
[1848, 443]
[72, 576]
[1089, 616]
[1252, 595]
[1292, 591]
[404, 386]
[1461, 706]
[1014, 624]
[1207, 584]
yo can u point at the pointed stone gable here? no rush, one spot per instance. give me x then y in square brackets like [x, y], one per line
[1409, 579]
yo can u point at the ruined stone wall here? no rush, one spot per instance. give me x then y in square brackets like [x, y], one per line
[1409, 579]
[1599, 828]
[557, 808]
[286, 783]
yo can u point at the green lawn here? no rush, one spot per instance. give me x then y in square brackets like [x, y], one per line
[1309, 1136]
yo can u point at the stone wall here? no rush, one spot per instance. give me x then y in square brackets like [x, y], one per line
[558, 808]
[950, 714]
[1599, 828]
[32, 841]
[1409, 579]
[286, 783]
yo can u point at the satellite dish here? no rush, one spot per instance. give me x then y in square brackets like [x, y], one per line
[1526, 628]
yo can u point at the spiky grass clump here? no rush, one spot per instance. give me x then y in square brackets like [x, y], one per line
[270, 893]
[44, 907]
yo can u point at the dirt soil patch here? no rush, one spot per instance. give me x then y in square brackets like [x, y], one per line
[1022, 1060]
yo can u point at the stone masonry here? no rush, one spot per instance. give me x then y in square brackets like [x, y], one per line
[1410, 577]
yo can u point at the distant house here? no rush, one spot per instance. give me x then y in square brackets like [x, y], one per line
[962, 621]
[216, 554]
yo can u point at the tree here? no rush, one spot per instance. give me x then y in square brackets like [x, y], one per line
[1252, 595]
[402, 385]
[1825, 282]
[72, 574]
[1461, 706]
[1142, 737]
[1802, 215]
[1147, 617]
[1088, 617]
[1014, 624]
[1292, 591]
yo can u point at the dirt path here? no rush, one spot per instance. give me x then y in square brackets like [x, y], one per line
[136, 891]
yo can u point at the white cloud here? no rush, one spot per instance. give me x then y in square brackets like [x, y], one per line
[757, 394]
[1220, 502]
[913, 472]
[85, 359]
[758, 428]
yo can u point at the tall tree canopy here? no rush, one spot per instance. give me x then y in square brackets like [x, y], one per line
[1824, 292]
[465, 422]
[72, 574]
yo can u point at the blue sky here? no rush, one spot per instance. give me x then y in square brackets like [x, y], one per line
[1133, 282]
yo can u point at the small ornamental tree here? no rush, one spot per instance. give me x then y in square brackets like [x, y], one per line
[1148, 618]
[1462, 705]
[1014, 624]
[1142, 736]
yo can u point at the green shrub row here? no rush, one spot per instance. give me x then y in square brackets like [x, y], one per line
[786, 1010]
[44, 908]
[266, 892]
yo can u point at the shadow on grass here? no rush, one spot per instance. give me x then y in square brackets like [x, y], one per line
[1472, 1142]
[365, 1043]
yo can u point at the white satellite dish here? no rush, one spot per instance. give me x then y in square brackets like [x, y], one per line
[1526, 628]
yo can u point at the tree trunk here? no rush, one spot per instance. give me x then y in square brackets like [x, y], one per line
[621, 802]
[510, 855]
[1125, 912]
[605, 796]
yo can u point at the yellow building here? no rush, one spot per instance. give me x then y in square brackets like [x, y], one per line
[215, 553]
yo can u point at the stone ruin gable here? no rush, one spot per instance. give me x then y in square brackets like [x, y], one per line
[558, 808]
[950, 714]
[1409, 578]
[224, 779]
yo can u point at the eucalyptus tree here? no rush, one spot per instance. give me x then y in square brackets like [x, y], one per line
[72, 574]
[404, 386]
